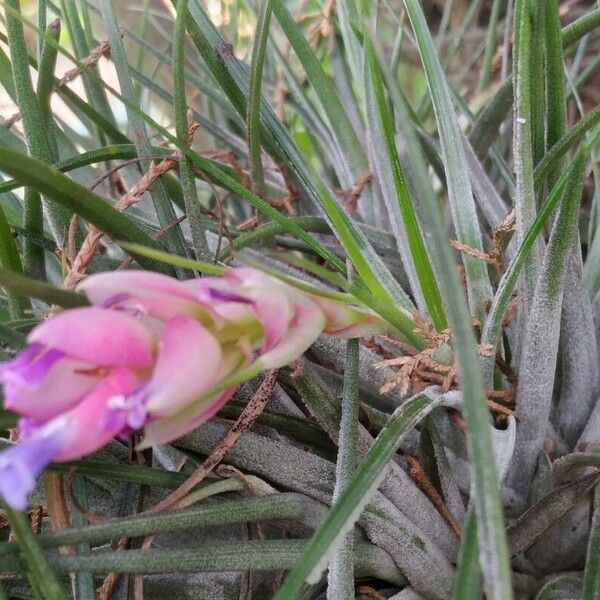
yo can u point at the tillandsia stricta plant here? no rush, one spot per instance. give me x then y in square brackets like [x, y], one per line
[309, 288]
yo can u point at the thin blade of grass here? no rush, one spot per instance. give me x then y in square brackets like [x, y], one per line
[591, 575]
[162, 205]
[341, 569]
[525, 207]
[400, 209]
[35, 562]
[261, 37]
[193, 209]
[346, 511]
[455, 165]
[486, 498]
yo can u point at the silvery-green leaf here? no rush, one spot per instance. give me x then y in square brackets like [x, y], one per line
[540, 344]
[578, 350]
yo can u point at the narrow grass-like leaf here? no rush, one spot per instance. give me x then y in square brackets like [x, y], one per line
[455, 165]
[591, 575]
[172, 259]
[485, 485]
[341, 569]
[552, 160]
[491, 41]
[523, 149]
[10, 261]
[562, 587]
[348, 17]
[35, 561]
[33, 218]
[30, 288]
[73, 196]
[540, 343]
[269, 508]
[531, 44]
[261, 37]
[547, 511]
[45, 83]
[193, 209]
[556, 105]
[488, 121]
[256, 555]
[34, 128]
[468, 583]
[493, 324]
[346, 511]
[162, 205]
[400, 208]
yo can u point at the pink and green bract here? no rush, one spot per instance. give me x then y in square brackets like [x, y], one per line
[156, 353]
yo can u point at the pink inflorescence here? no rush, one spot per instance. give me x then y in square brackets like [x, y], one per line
[156, 353]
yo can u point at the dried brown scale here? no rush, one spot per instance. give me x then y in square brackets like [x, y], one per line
[419, 370]
[249, 415]
[293, 194]
[377, 348]
[103, 49]
[495, 256]
[351, 196]
[56, 503]
[418, 475]
[511, 311]
[105, 591]
[36, 514]
[91, 243]
[369, 592]
[249, 224]
[506, 370]
[10, 121]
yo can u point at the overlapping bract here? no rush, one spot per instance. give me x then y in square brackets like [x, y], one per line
[152, 352]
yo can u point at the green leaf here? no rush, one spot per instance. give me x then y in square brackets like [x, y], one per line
[488, 122]
[193, 210]
[31, 288]
[591, 575]
[468, 583]
[486, 488]
[347, 509]
[386, 159]
[541, 337]
[341, 569]
[493, 324]
[261, 37]
[73, 196]
[547, 511]
[525, 206]
[276, 507]
[162, 205]
[491, 39]
[257, 555]
[455, 164]
[35, 561]
[10, 261]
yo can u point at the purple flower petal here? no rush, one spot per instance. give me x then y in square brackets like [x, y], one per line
[115, 300]
[22, 463]
[27, 370]
[227, 296]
